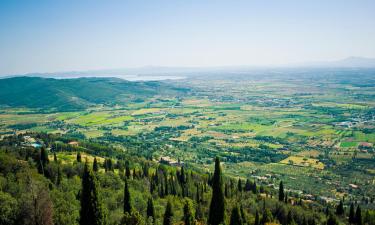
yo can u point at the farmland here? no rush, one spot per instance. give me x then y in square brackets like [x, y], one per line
[305, 131]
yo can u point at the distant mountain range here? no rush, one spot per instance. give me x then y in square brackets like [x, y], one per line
[164, 72]
[350, 62]
[76, 94]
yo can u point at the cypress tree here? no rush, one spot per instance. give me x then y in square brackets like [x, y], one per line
[92, 212]
[79, 158]
[182, 176]
[216, 213]
[188, 213]
[267, 217]
[168, 214]
[351, 214]
[54, 157]
[254, 187]
[127, 204]
[340, 208]
[256, 221]
[110, 165]
[239, 185]
[43, 160]
[286, 198]
[281, 192]
[226, 190]
[248, 185]
[332, 220]
[150, 209]
[235, 217]
[59, 176]
[95, 166]
[197, 198]
[358, 216]
[127, 170]
[243, 215]
[44, 156]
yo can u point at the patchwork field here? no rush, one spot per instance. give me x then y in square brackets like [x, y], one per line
[299, 130]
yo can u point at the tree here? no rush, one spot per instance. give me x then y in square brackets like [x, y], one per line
[92, 212]
[239, 185]
[256, 221]
[188, 213]
[235, 217]
[286, 198]
[332, 220]
[150, 208]
[127, 203]
[54, 157]
[8, 208]
[79, 157]
[217, 206]
[37, 206]
[248, 185]
[358, 216]
[243, 215]
[168, 214]
[267, 217]
[43, 161]
[133, 218]
[281, 192]
[351, 214]
[95, 166]
[340, 208]
[127, 170]
[59, 176]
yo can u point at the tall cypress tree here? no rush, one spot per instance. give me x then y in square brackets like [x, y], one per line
[150, 208]
[217, 207]
[188, 214]
[127, 204]
[281, 192]
[127, 170]
[42, 161]
[340, 208]
[92, 212]
[95, 166]
[358, 216]
[243, 215]
[168, 214]
[79, 157]
[235, 217]
[332, 220]
[248, 185]
[256, 221]
[351, 214]
[239, 185]
[59, 176]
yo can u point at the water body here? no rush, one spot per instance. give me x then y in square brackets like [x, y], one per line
[149, 77]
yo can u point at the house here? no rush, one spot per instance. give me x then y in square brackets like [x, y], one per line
[73, 143]
[169, 161]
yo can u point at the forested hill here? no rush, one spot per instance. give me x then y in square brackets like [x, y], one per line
[76, 94]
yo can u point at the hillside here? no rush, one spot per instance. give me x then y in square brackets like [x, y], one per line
[76, 94]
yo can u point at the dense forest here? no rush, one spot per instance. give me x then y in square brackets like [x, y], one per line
[76, 94]
[105, 185]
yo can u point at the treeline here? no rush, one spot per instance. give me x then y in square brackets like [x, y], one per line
[37, 187]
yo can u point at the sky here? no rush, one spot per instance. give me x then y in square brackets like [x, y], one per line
[64, 35]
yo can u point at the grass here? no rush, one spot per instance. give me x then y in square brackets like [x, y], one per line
[303, 162]
[348, 144]
[99, 118]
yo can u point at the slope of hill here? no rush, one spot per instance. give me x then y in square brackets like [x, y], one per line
[75, 94]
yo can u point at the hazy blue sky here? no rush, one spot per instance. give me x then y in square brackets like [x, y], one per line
[46, 36]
